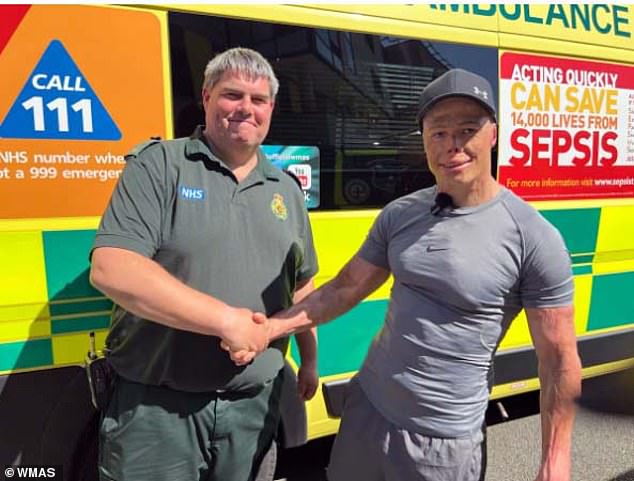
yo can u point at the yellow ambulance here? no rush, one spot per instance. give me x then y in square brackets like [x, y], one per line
[82, 84]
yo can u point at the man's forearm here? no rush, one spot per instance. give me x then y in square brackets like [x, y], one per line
[561, 386]
[306, 340]
[553, 333]
[356, 280]
[307, 346]
[329, 301]
[144, 288]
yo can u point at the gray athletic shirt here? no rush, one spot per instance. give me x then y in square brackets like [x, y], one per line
[459, 279]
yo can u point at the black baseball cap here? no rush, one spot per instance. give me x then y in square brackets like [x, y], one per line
[456, 83]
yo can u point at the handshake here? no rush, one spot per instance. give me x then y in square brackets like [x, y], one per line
[246, 335]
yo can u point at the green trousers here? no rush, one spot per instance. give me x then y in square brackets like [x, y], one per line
[152, 433]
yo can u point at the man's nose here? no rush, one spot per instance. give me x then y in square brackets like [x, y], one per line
[245, 104]
[457, 142]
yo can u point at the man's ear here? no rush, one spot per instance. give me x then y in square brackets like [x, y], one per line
[494, 139]
[422, 140]
[205, 95]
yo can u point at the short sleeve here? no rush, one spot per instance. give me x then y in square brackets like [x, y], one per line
[134, 215]
[375, 247]
[309, 264]
[546, 277]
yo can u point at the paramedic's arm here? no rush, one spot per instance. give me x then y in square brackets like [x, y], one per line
[553, 333]
[143, 287]
[307, 376]
[358, 279]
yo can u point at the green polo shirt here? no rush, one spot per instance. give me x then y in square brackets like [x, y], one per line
[248, 244]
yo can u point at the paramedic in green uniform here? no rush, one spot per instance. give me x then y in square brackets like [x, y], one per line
[200, 234]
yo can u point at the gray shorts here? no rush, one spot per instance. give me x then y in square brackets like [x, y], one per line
[370, 448]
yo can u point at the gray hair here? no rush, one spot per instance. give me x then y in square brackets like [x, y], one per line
[244, 61]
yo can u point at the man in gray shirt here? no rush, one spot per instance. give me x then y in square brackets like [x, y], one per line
[467, 256]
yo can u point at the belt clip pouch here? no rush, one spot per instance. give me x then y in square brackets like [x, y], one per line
[100, 376]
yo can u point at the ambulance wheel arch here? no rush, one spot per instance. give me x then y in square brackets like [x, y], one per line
[51, 420]
[84, 466]
[74, 416]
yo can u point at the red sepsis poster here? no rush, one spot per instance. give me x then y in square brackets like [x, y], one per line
[566, 128]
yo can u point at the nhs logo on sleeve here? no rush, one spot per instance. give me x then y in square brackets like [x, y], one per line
[191, 193]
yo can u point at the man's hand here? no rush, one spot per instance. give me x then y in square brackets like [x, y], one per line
[562, 473]
[307, 381]
[246, 335]
[242, 352]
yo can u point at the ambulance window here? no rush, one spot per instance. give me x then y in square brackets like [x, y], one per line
[353, 96]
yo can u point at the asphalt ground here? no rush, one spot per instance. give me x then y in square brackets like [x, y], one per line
[603, 439]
